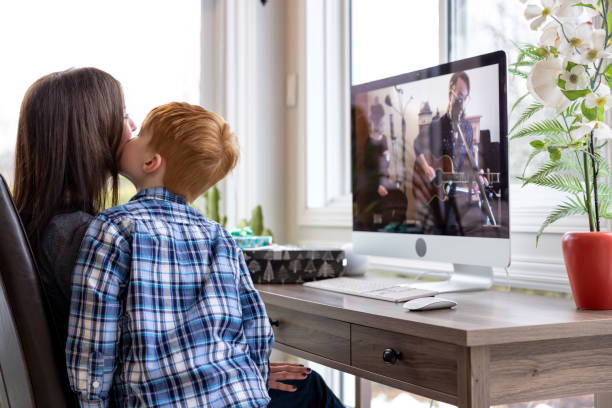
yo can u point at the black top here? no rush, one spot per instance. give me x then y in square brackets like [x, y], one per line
[59, 247]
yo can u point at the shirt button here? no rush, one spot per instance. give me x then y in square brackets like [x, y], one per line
[96, 384]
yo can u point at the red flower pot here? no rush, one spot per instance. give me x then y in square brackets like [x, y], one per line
[588, 260]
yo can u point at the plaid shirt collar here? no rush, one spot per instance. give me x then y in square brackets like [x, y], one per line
[159, 193]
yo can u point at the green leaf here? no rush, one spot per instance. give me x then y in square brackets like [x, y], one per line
[567, 183]
[519, 100]
[532, 155]
[565, 209]
[549, 127]
[561, 83]
[585, 5]
[517, 72]
[604, 190]
[527, 113]
[608, 70]
[554, 52]
[602, 162]
[570, 65]
[609, 81]
[577, 145]
[532, 51]
[554, 153]
[588, 113]
[600, 113]
[537, 144]
[573, 95]
[548, 168]
[522, 63]
[559, 139]
[572, 108]
[609, 20]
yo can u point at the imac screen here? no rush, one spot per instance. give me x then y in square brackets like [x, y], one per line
[430, 151]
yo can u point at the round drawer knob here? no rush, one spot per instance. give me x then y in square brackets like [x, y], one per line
[391, 356]
[274, 322]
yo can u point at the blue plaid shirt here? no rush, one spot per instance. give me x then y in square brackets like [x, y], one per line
[164, 310]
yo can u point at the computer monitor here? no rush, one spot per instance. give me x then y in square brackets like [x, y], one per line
[430, 168]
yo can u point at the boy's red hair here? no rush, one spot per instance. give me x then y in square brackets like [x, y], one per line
[196, 143]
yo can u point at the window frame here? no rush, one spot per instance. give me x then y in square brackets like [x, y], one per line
[327, 113]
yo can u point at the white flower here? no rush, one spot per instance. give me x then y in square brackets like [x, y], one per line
[578, 38]
[542, 83]
[600, 99]
[600, 130]
[567, 10]
[597, 48]
[590, 13]
[539, 14]
[550, 36]
[576, 78]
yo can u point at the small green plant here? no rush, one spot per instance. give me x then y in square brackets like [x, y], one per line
[256, 223]
[212, 197]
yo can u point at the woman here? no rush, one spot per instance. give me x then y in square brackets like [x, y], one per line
[72, 127]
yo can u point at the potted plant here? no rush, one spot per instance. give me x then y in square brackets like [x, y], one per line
[568, 70]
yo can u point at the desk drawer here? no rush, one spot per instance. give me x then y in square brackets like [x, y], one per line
[427, 363]
[318, 335]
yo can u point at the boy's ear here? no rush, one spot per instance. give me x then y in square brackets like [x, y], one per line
[154, 163]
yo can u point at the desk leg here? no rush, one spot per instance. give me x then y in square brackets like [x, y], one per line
[472, 378]
[603, 400]
[363, 393]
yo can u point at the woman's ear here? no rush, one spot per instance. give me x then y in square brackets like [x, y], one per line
[154, 163]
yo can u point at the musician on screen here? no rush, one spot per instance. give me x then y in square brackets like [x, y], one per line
[444, 185]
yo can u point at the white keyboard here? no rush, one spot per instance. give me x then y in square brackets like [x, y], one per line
[389, 289]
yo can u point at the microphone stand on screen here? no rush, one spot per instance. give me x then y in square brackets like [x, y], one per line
[485, 205]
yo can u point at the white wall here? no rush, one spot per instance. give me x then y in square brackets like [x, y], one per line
[270, 146]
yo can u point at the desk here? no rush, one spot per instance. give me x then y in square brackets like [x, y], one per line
[494, 348]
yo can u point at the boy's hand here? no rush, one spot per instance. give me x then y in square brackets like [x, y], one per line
[286, 371]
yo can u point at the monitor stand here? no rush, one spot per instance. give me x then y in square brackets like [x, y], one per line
[464, 278]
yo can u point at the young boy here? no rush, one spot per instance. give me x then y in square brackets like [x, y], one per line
[163, 307]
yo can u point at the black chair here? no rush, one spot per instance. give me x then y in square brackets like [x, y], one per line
[31, 369]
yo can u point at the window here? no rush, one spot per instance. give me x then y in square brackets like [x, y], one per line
[327, 148]
[378, 51]
[152, 49]
[389, 39]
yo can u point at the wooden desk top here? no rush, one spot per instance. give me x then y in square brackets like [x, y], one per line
[480, 318]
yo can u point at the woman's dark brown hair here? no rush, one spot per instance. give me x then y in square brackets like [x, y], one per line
[70, 128]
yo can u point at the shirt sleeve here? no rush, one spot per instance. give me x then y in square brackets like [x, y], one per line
[257, 329]
[93, 329]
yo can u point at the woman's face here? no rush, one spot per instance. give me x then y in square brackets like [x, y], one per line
[128, 127]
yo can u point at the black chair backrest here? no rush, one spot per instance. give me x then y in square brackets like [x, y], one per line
[29, 363]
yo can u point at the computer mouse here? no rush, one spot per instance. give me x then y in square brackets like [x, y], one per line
[428, 303]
